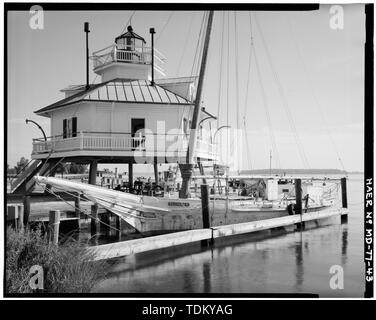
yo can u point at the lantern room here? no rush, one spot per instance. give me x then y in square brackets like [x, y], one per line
[128, 58]
[130, 41]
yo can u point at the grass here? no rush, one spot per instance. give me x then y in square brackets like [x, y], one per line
[68, 268]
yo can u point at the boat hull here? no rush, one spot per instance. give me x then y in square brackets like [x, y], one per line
[187, 215]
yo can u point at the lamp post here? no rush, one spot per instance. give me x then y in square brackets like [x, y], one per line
[39, 127]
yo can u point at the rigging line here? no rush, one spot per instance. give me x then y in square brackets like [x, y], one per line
[284, 100]
[220, 69]
[249, 68]
[228, 83]
[164, 26]
[236, 70]
[123, 30]
[197, 47]
[185, 44]
[81, 210]
[313, 92]
[266, 107]
[194, 59]
[128, 22]
[181, 59]
[237, 83]
[246, 92]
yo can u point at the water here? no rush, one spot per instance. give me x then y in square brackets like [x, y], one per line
[288, 263]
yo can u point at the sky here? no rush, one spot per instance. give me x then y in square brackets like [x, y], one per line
[305, 88]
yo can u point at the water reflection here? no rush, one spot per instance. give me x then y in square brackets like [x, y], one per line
[261, 263]
[344, 246]
[299, 275]
[294, 262]
[206, 271]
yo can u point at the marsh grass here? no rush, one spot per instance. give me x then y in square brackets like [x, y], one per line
[68, 268]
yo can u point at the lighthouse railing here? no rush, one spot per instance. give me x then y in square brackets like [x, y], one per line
[118, 141]
[141, 55]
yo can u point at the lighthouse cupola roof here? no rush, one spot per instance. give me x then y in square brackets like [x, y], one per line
[129, 35]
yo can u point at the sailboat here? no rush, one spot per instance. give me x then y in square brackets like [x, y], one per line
[255, 197]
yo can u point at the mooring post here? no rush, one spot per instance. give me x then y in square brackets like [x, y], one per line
[344, 199]
[26, 211]
[94, 219]
[53, 226]
[205, 211]
[298, 204]
[77, 208]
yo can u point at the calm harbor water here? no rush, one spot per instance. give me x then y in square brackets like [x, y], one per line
[282, 263]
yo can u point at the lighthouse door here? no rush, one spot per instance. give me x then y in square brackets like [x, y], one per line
[137, 131]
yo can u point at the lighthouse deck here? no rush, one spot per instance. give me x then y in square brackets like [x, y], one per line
[110, 144]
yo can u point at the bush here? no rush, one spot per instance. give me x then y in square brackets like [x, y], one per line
[68, 268]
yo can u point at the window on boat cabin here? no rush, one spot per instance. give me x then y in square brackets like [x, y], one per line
[70, 127]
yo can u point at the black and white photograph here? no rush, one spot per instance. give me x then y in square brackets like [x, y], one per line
[188, 150]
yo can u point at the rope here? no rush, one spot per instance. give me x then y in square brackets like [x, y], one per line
[164, 27]
[228, 84]
[128, 22]
[220, 68]
[79, 209]
[313, 92]
[237, 81]
[246, 94]
[268, 118]
[185, 45]
[284, 100]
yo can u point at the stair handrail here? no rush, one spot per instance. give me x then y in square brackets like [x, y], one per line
[21, 171]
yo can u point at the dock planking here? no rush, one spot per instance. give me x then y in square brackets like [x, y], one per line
[124, 248]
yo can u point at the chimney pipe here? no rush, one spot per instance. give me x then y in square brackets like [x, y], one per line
[152, 32]
[86, 29]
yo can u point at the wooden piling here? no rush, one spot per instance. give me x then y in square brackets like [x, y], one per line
[53, 226]
[205, 210]
[156, 174]
[26, 211]
[105, 225]
[93, 172]
[298, 204]
[77, 206]
[344, 192]
[130, 174]
[20, 222]
[94, 224]
[118, 226]
[344, 217]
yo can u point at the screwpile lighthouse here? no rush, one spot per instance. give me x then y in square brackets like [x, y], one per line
[128, 117]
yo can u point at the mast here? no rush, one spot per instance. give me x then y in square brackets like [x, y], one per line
[186, 169]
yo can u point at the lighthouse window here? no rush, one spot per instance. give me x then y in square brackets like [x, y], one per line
[70, 127]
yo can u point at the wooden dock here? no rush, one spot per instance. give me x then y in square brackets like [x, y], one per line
[124, 248]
